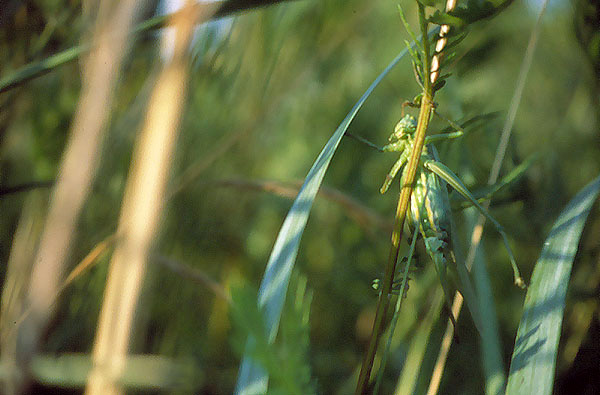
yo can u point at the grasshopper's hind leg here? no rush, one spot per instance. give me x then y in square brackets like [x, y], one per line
[447, 175]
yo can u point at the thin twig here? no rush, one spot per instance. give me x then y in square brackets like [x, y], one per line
[86, 263]
[93, 257]
[363, 215]
[188, 272]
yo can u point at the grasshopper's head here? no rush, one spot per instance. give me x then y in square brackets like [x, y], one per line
[404, 128]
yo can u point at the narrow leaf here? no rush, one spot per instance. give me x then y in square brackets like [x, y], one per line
[37, 69]
[534, 357]
[252, 379]
[442, 18]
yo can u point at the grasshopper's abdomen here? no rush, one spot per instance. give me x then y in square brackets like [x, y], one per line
[429, 205]
[429, 215]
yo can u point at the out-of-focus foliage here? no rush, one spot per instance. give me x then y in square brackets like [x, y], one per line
[260, 106]
[286, 359]
[587, 19]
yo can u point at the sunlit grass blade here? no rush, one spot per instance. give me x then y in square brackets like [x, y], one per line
[534, 357]
[252, 378]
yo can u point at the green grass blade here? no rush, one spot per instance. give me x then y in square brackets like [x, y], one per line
[534, 357]
[37, 69]
[252, 378]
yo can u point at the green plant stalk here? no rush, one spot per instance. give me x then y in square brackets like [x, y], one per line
[403, 202]
[401, 294]
[428, 82]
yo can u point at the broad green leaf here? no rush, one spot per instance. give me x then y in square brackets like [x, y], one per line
[252, 379]
[534, 357]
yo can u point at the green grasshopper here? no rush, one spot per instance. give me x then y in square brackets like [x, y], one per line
[429, 212]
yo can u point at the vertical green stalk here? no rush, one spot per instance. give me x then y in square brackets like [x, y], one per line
[426, 64]
[403, 204]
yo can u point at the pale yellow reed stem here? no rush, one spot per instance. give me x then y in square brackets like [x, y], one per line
[140, 212]
[76, 171]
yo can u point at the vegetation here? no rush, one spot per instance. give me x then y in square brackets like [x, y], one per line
[259, 100]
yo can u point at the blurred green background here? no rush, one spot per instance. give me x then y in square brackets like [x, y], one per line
[262, 102]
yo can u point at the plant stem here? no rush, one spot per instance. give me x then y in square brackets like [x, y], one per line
[403, 202]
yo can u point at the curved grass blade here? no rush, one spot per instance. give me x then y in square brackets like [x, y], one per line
[534, 357]
[252, 379]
